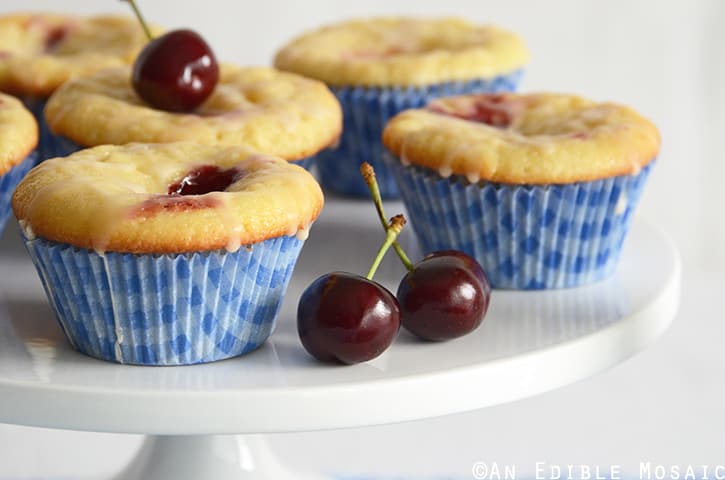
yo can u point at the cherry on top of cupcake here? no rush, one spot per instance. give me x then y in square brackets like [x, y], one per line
[39, 52]
[538, 138]
[403, 51]
[176, 71]
[271, 111]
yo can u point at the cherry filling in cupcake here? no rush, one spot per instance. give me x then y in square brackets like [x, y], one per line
[54, 36]
[374, 55]
[189, 192]
[492, 110]
[206, 179]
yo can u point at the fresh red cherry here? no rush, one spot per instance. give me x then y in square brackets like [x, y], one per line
[445, 296]
[347, 318]
[176, 71]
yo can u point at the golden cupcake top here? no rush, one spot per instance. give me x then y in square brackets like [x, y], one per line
[18, 132]
[403, 51]
[524, 138]
[166, 198]
[39, 52]
[267, 110]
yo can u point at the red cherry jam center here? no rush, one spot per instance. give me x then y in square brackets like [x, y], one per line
[374, 55]
[54, 36]
[492, 110]
[206, 179]
[186, 194]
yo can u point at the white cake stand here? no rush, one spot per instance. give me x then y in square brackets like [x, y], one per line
[530, 342]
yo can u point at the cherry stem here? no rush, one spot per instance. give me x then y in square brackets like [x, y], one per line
[391, 233]
[141, 20]
[368, 173]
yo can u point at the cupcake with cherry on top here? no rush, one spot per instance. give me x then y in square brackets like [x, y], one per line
[176, 91]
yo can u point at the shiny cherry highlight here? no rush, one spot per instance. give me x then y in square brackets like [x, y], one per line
[445, 296]
[346, 318]
[175, 72]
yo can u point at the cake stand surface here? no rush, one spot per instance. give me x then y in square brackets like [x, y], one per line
[530, 342]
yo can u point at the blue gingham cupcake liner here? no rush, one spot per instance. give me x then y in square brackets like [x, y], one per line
[525, 236]
[65, 146]
[8, 181]
[49, 144]
[366, 111]
[166, 309]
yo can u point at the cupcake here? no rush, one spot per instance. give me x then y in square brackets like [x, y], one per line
[39, 52]
[264, 109]
[379, 67]
[166, 254]
[18, 138]
[539, 188]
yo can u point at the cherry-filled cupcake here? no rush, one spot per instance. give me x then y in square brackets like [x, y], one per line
[18, 138]
[261, 108]
[39, 52]
[539, 188]
[379, 67]
[166, 254]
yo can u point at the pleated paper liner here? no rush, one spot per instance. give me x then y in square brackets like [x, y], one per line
[8, 182]
[166, 309]
[525, 237]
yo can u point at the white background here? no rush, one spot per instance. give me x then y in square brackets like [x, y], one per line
[666, 59]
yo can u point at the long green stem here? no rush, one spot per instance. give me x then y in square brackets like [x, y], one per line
[141, 20]
[368, 174]
[391, 233]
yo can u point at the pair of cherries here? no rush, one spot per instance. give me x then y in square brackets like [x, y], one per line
[348, 318]
[176, 71]
[341, 316]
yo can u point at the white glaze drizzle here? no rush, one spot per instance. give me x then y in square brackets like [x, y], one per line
[473, 177]
[232, 225]
[27, 229]
[118, 330]
[445, 171]
[404, 160]
[303, 233]
[621, 206]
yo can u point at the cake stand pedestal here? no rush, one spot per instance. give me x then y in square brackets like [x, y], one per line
[217, 457]
[529, 343]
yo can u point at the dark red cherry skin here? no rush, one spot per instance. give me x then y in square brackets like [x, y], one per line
[175, 72]
[347, 318]
[445, 296]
